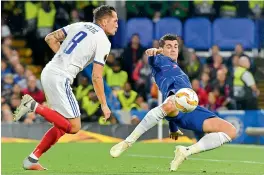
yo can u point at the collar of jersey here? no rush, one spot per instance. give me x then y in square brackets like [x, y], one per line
[98, 25]
[168, 57]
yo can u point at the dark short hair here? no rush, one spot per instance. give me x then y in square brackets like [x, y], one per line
[170, 37]
[100, 12]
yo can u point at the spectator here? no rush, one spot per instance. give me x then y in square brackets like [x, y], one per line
[142, 77]
[227, 8]
[214, 51]
[127, 97]
[211, 102]
[155, 44]
[215, 100]
[184, 55]
[6, 87]
[109, 63]
[116, 78]
[245, 89]
[239, 51]
[132, 53]
[30, 118]
[91, 106]
[20, 72]
[14, 102]
[7, 116]
[194, 67]
[62, 17]
[83, 89]
[5, 69]
[179, 9]
[201, 93]
[16, 90]
[235, 60]
[45, 23]
[156, 9]
[204, 83]
[33, 91]
[225, 89]
[204, 9]
[217, 64]
[23, 83]
[75, 16]
[135, 9]
[141, 103]
[256, 9]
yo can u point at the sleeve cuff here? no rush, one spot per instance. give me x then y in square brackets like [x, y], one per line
[64, 31]
[98, 63]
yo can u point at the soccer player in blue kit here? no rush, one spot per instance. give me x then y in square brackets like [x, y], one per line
[170, 78]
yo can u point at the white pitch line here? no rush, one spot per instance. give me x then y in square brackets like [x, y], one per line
[244, 146]
[197, 159]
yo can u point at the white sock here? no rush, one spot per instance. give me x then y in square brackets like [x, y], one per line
[208, 142]
[151, 119]
[32, 155]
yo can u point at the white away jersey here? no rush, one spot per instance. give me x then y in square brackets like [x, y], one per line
[85, 43]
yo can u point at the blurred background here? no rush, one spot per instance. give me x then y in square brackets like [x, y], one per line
[221, 50]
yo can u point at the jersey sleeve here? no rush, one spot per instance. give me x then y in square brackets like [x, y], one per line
[153, 61]
[173, 126]
[103, 47]
[67, 28]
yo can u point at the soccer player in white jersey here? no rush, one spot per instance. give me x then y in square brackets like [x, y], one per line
[82, 44]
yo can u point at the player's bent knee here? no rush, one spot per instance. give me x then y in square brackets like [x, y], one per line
[219, 125]
[75, 125]
[74, 130]
[169, 106]
[231, 132]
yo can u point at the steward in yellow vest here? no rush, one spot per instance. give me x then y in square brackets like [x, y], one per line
[127, 98]
[115, 77]
[45, 19]
[83, 89]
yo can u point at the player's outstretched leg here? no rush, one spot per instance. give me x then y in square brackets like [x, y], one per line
[150, 120]
[219, 132]
[28, 104]
[62, 126]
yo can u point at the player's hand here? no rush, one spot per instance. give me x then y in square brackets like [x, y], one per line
[153, 51]
[175, 135]
[106, 111]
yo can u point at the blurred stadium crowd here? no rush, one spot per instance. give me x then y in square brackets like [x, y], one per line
[222, 83]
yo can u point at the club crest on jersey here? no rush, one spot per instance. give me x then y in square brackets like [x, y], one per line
[174, 66]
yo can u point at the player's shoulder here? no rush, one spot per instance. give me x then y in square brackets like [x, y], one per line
[102, 37]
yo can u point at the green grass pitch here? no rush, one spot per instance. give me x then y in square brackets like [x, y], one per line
[142, 158]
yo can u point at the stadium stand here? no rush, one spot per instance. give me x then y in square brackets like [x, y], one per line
[199, 34]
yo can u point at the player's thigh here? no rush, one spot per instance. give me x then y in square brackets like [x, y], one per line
[219, 125]
[194, 120]
[59, 95]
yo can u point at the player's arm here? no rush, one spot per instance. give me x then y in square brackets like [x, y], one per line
[152, 59]
[98, 83]
[102, 50]
[174, 130]
[53, 39]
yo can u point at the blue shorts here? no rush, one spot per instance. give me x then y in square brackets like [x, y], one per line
[192, 120]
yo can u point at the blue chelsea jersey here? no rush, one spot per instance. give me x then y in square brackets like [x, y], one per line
[168, 75]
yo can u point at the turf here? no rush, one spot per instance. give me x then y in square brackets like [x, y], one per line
[142, 158]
